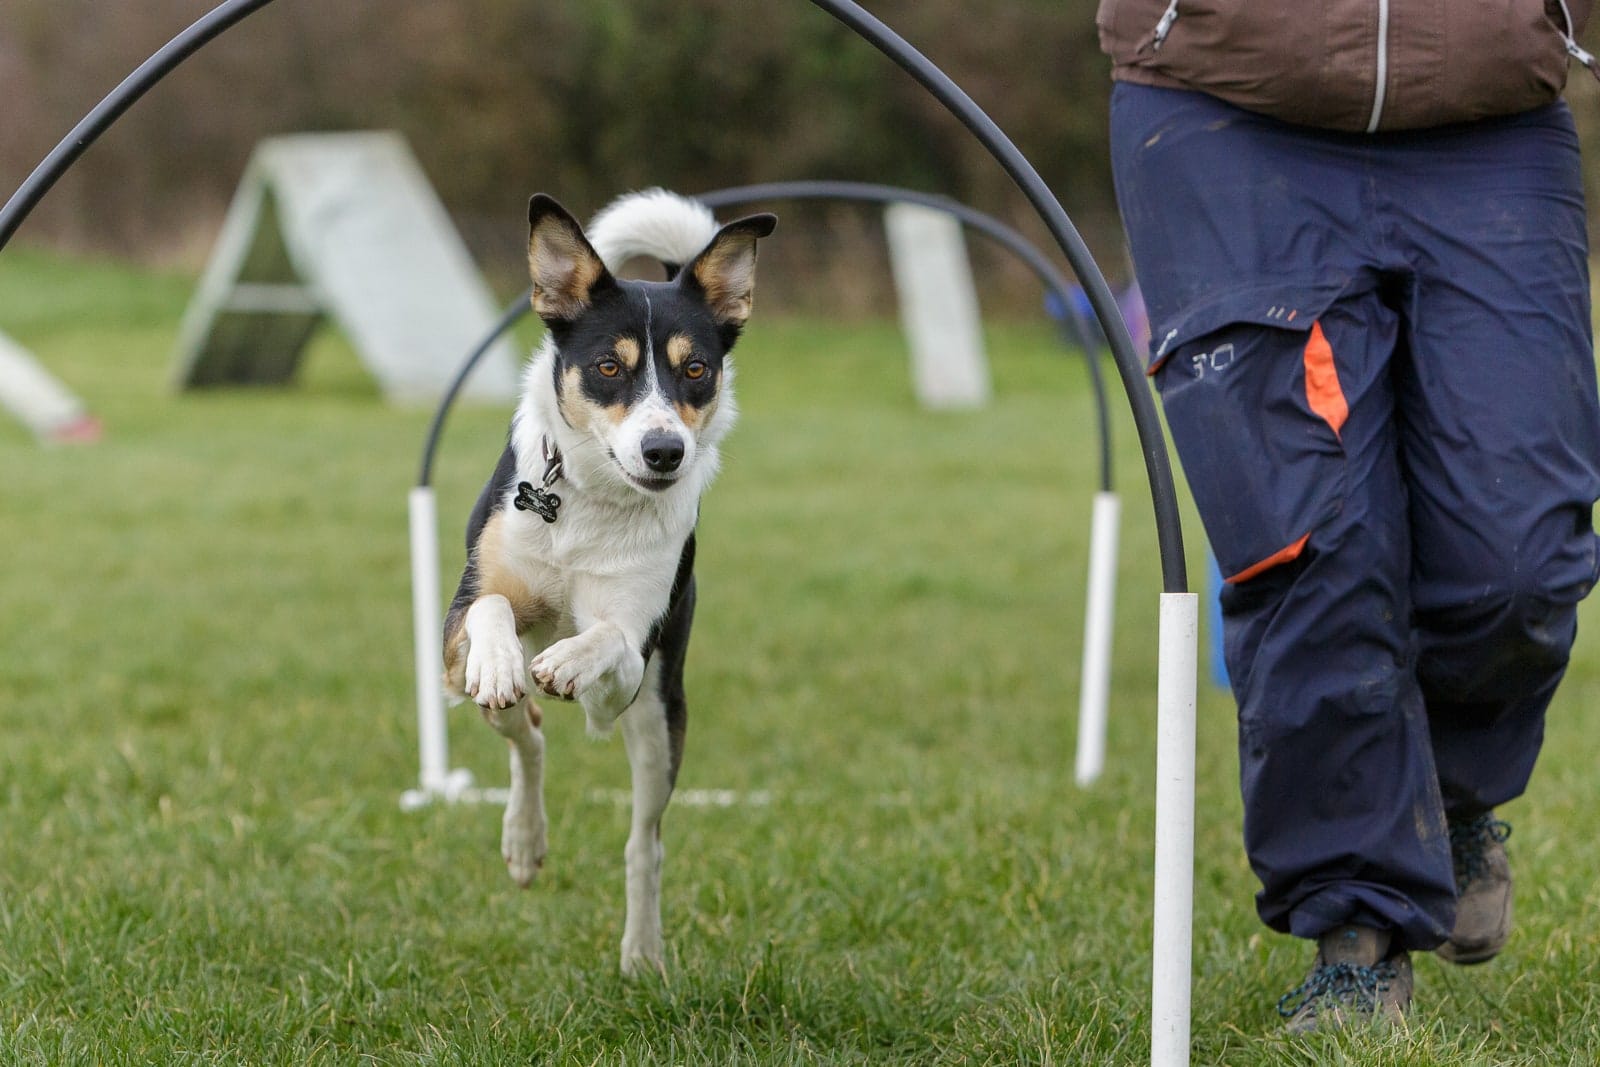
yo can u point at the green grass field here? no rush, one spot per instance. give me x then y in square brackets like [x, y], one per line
[208, 718]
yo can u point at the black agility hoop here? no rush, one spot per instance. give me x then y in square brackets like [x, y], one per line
[1172, 909]
[201, 32]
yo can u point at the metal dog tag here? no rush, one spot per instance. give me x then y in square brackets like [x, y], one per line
[538, 500]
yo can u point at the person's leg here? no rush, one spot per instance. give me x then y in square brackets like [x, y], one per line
[1501, 437]
[1343, 820]
[1502, 442]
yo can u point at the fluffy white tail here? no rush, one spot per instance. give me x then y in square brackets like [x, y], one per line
[666, 226]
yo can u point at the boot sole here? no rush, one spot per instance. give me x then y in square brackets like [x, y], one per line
[1462, 957]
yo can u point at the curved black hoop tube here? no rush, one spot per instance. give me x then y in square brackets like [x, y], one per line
[96, 122]
[1002, 234]
[1164, 497]
[514, 311]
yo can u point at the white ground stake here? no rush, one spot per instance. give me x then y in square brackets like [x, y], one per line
[436, 779]
[33, 394]
[1095, 684]
[1174, 877]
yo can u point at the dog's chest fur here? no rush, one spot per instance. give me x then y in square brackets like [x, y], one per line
[541, 564]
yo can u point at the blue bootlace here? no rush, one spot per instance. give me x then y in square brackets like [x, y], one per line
[1346, 983]
[1469, 840]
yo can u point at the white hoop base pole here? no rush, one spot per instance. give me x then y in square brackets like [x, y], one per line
[1095, 685]
[437, 781]
[1174, 875]
[457, 789]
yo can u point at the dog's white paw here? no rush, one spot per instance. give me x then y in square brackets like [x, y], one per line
[522, 843]
[599, 656]
[641, 957]
[494, 676]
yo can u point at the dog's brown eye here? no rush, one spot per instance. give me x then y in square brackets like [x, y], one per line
[608, 368]
[694, 370]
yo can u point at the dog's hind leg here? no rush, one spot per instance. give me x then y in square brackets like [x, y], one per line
[522, 832]
[652, 759]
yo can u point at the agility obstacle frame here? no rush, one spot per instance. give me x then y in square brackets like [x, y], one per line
[1178, 634]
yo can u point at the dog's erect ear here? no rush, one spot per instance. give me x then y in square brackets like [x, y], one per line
[567, 273]
[725, 273]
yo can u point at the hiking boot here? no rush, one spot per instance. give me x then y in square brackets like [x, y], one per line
[1483, 890]
[1357, 977]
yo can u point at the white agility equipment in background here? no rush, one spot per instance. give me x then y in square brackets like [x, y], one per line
[33, 395]
[436, 777]
[938, 307]
[341, 225]
[1094, 683]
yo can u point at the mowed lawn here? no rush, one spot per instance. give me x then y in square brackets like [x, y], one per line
[207, 719]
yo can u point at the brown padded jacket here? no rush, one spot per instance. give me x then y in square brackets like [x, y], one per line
[1359, 65]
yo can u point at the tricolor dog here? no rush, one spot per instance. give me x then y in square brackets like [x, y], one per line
[579, 579]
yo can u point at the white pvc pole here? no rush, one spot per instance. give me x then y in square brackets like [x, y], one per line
[32, 394]
[1095, 686]
[425, 620]
[1174, 875]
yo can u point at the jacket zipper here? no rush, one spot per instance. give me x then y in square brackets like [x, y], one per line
[1382, 87]
[1574, 49]
[1164, 27]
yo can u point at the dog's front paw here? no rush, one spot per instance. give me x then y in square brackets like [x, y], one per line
[494, 675]
[569, 669]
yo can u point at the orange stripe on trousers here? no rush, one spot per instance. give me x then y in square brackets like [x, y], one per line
[1322, 381]
[1283, 555]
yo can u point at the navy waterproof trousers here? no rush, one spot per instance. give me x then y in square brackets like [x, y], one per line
[1375, 357]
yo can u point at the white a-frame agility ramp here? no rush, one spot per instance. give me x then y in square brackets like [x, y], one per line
[341, 226]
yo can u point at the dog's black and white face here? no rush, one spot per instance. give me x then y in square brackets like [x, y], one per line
[641, 368]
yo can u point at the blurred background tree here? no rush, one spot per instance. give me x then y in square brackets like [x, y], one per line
[583, 99]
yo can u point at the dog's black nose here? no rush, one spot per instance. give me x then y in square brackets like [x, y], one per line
[662, 451]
